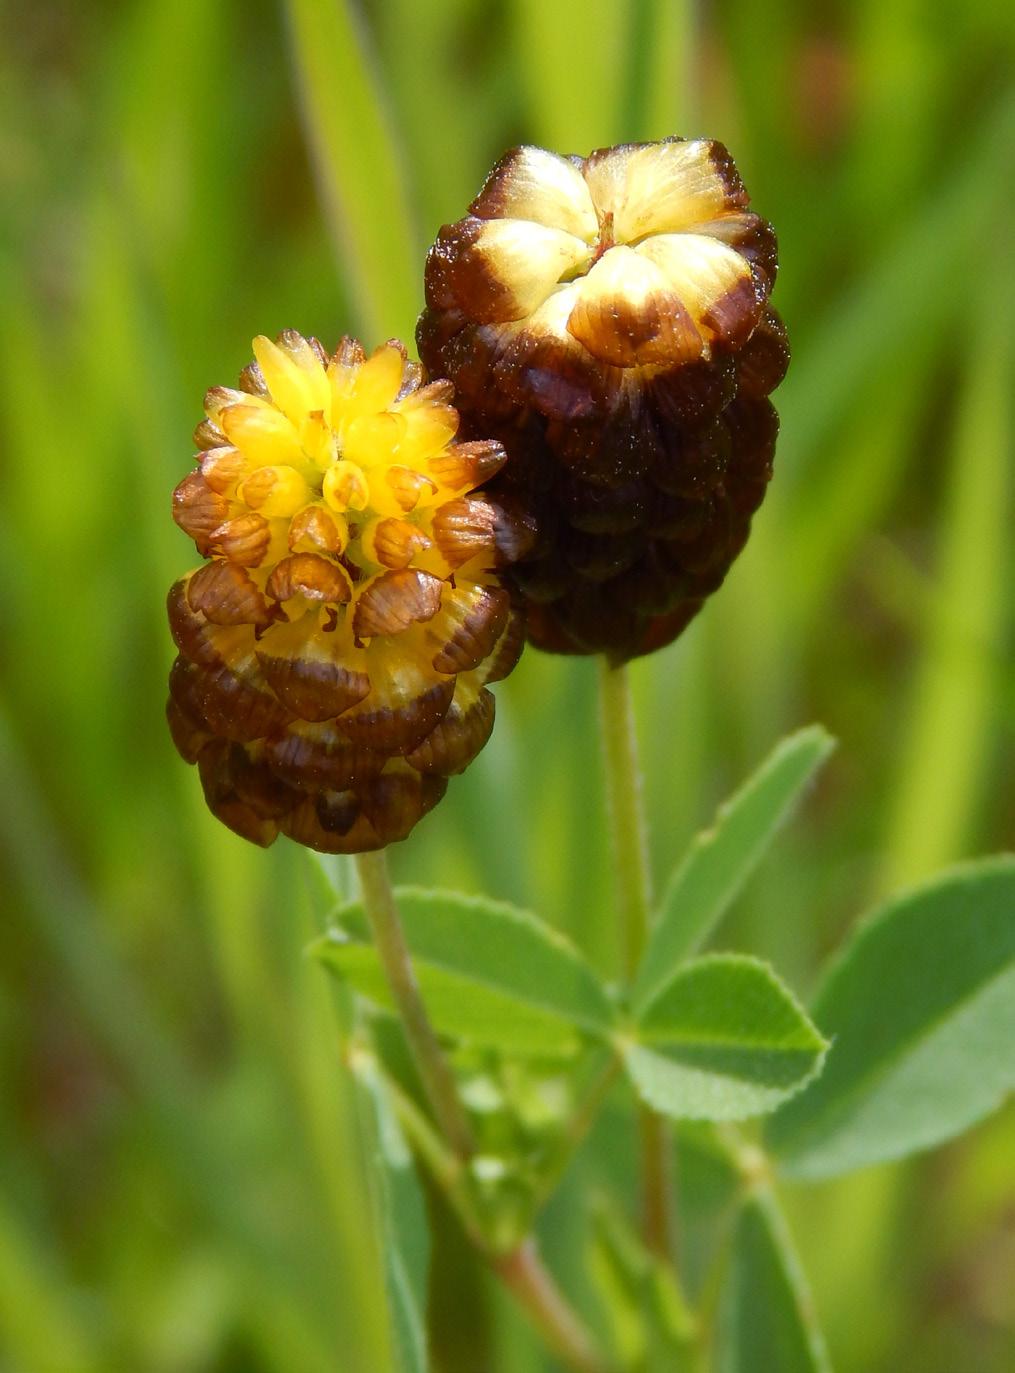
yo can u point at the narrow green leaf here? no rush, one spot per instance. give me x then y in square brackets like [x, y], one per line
[948, 726]
[402, 1220]
[921, 1006]
[571, 69]
[651, 1327]
[766, 1321]
[946, 228]
[726, 1040]
[490, 974]
[721, 859]
[359, 165]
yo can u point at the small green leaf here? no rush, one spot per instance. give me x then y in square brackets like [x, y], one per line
[490, 974]
[726, 1040]
[921, 1006]
[721, 859]
[766, 1322]
[402, 1220]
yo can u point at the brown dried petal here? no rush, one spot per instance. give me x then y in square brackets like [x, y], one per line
[408, 485]
[398, 729]
[317, 757]
[222, 468]
[188, 734]
[311, 684]
[208, 435]
[227, 704]
[309, 575]
[224, 593]
[396, 542]
[508, 650]
[467, 465]
[315, 528]
[244, 540]
[215, 769]
[452, 745]
[472, 619]
[197, 509]
[463, 529]
[394, 600]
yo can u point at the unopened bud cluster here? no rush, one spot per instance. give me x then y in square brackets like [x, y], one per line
[607, 319]
[337, 643]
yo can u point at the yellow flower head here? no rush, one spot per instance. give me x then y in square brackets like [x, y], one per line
[336, 645]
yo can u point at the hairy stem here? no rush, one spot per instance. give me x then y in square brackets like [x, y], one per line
[524, 1275]
[389, 939]
[634, 899]
[626, 813]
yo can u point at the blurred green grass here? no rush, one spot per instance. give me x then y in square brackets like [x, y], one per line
[183, 1186]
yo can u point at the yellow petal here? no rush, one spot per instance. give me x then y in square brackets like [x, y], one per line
[428, 429]
[261, 433]
[274, 491]
[368, 388]
[345, 487]
[373, 440]
[294, 375]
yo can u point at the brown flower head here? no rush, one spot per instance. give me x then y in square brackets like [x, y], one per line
[607, 318]
[336, 645]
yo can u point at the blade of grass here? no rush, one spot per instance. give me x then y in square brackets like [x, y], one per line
[40, 1328]
[364, 186]
[943, 753]
[571, 57]
[911, 290]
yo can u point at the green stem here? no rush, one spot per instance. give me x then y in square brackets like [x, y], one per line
[634, 898]
[524, 1275]
[627, 821]
[389, 939]
[520, 1269]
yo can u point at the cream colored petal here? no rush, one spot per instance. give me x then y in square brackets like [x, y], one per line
[712, 280]
[628, 314]
[515, 264]
[663, 187]
[532, 184]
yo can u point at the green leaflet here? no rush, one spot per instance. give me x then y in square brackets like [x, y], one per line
[726, 1040]
[766, 1324]
[721, 859]
[921, 1006]
[490, 974]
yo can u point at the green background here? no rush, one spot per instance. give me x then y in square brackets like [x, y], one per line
[182, 1182]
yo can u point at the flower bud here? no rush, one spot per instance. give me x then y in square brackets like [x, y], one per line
[607, 320]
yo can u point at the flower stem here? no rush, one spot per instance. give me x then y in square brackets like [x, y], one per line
[524, 1275]
[389, 939]
[627, 821]
[634, 898]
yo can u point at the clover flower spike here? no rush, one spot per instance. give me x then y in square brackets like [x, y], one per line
[336, 646]
[607, 319]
